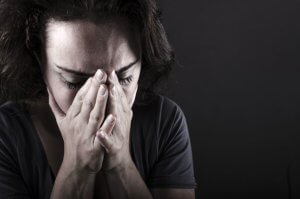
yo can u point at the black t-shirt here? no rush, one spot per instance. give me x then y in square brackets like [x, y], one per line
[160, 149]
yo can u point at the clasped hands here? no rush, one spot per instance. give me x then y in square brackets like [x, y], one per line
[93, 139]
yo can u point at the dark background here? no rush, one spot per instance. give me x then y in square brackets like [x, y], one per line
[237, 82]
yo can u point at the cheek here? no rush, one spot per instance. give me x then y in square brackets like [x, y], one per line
[64, 99]
[62, 95]
[130, 92]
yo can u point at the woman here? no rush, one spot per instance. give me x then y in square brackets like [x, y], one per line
[79, 117]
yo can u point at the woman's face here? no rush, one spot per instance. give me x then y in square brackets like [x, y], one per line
[75, 50]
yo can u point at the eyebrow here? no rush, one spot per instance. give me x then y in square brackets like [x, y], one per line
[84, 74]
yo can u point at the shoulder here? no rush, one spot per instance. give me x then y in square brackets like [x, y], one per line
[163, 119]
[16, 155]
[7, 115]
[12, 121]
[173, 125]
[11, 114]
[168, 106]
[8, 125]
[170, 152]
[10, 110]
[159, 105]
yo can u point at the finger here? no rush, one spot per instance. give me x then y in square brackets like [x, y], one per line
[58, 113]
[105, 140]
[90, 98]
[75, 107]
[120, 93]
[108, 124]
[98, 112]
[112, 105]
[105, 130]
[115, 107]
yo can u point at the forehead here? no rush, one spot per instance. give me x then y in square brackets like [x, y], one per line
[86, 46]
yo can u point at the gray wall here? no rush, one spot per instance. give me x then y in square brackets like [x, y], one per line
[238, 85]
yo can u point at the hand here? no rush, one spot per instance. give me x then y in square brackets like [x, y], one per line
[79, 126]
[116, 142]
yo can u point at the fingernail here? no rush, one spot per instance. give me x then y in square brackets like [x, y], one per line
[99, 75]
[113, 91]
[112, 75]
[102, 90]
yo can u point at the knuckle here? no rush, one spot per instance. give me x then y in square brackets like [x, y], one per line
[69, 116]
[80, 99]
[89, 104]
[95, 82]
[95, 118]
[101, 130]
[124, 111]
[122, 94]
[101, 96]
[113, 119]
[122, 137]
[74, 115]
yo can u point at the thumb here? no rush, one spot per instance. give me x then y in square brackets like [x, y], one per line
[58, 113]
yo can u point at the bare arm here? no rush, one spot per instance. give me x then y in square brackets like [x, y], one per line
[72, 184]
[126, 182]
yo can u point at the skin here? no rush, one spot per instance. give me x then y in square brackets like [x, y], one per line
[83, 46]
[92, 122]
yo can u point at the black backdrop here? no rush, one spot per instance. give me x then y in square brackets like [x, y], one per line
[237, 82]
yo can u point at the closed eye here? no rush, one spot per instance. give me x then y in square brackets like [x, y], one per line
[77, 85]
[72, 85]
[125, 81]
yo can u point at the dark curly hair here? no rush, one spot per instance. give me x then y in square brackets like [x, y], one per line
[22, 33]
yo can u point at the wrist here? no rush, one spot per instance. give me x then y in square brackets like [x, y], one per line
[118, 163]
[72, 184]
[82, 165]
[70, 168]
